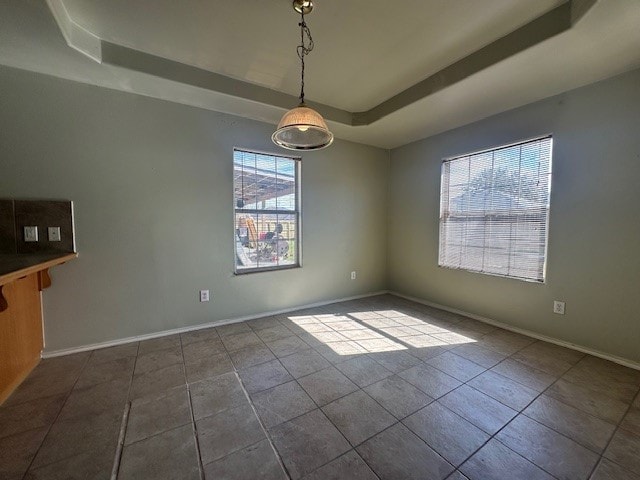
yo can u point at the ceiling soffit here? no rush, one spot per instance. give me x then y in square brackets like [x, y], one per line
[544, 27]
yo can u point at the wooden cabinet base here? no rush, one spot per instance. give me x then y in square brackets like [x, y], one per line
[21, 340]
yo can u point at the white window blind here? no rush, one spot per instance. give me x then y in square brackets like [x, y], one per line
[266, 204]
[494, 210]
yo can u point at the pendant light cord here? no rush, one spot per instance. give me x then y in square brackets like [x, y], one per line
[305, 47]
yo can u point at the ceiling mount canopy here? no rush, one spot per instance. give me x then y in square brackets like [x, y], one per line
[302, 128]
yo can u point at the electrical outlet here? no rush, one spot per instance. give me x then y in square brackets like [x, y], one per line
[204, 295]
[353, 275]
[558, 307]
[54, 234]
[31, 234]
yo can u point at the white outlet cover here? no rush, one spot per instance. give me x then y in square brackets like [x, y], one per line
[54, 234]
[353, 275]
[204, 295]
[31, 234]
[558, 307]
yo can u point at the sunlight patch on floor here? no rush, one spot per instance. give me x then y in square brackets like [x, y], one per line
[373, 331]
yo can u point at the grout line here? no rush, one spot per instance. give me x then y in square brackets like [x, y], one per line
[56, 418]
[123, 430]
[194, 430]
[618, 427]
[262, 426]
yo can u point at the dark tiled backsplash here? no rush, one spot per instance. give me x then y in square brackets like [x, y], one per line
[17, 214]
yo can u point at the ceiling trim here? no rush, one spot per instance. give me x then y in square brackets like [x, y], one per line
[542, 28]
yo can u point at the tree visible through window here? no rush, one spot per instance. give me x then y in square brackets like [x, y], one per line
[494, 210]
[266, 211]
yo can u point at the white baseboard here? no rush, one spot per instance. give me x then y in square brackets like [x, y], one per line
[596, 353]
[218, 323]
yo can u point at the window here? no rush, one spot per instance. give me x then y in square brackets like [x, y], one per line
[494, 210]
[267, 217]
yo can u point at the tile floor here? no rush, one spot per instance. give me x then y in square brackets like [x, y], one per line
[375, 388]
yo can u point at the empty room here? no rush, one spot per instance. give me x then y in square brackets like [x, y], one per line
[320, 240]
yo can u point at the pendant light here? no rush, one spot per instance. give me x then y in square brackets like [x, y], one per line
[302, 128]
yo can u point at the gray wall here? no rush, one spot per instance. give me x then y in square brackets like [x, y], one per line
[152, 186]
[593, 261]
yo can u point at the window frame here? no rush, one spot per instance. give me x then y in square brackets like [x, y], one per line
[297, 212]
[541, 281]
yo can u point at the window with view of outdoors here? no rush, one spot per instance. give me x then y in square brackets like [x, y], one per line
[266, 211]
[494, 210]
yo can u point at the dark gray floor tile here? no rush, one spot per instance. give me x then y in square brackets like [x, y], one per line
[91, 465]
[396, 361]
[276, 332]
[585, 429]
[484, 357]
[363, 371]
[397, 453]
[281, 403]
[233, 329]
[447, 433]
[456, 366]
[42, 385]
[505, 342]
[227, 432]
[113, 353]
[241, 340]
[494, 461]
[430, 380]
[398, 396]
[348, 466]
[196, 350]
[549, 358]
[156, 381]
[263, 376]
[262, 323]
[304, 363]
[169, 455]
[84, 466]
[457, 476]
[158, 413]
[607, 470]
[503, 389]
[250, 356]
[598, 379]
[358, 416]
[95, 399]
[307, 442]
[77, 435]
[287, 346]
[624, 449]
[257, 461]
[631, 421]
[327, 385]
[524, 374]
[587, 400]
[207, 367]
[481, 410]
[202, 335]
[160, 343]
[217, 394]
[94, 373]
[158, 359]
[30, 415]
[554, 453]
[17, 451]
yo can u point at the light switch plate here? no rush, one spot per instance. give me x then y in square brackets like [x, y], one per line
[54, 234]
[31, 234]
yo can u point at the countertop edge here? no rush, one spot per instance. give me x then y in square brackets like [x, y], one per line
[23, 272]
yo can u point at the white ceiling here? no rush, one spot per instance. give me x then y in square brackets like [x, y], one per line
[365, 53]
